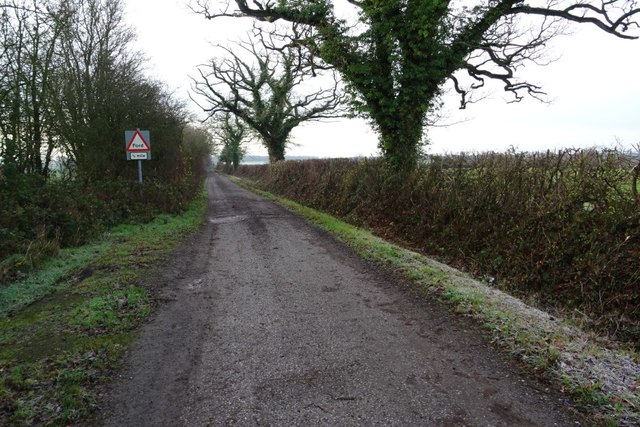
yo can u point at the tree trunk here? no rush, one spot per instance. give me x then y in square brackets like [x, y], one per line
[275, 149]
[47, 159]
[36, 147]
[400, 142]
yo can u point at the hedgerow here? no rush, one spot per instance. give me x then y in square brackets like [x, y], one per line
[38, 216]
[560, 228]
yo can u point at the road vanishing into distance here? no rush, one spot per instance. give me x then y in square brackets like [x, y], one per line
[267, 321]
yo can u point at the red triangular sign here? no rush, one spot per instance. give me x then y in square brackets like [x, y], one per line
[138, 143]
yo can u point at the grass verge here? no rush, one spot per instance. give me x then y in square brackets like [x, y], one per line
[603, 380]
[64, 329]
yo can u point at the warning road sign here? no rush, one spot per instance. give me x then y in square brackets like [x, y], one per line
[137, 145]
[137, 141]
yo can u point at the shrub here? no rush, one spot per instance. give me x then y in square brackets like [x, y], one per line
[39, 216]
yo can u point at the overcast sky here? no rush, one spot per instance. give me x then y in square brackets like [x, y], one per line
[594, 89]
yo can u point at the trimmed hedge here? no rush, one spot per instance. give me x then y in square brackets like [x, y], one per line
[563, 227]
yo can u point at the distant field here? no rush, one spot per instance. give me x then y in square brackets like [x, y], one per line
[263, 160]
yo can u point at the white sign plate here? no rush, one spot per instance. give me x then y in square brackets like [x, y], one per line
[138, 156]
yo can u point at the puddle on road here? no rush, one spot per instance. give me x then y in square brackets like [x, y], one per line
[230, 219]
[227, 219]
[195, 284]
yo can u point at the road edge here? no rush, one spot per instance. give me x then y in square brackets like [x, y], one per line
[604, 381]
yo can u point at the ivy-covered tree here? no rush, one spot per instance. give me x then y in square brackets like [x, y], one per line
[231, 134]
[396, 58]
[262, 87]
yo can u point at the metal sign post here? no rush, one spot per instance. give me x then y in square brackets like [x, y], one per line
[140, 171]
[137, 144]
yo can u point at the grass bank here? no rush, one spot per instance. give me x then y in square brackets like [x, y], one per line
[603, 380]
[64, 328]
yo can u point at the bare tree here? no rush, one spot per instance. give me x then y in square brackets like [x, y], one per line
[30, 32]
[396, 58]
[263, 91]
[96, 70]
[70, 84]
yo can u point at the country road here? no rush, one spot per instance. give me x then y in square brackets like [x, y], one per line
[265, 320]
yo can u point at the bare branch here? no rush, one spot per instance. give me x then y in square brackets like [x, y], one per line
[587, 13]
[262, 91]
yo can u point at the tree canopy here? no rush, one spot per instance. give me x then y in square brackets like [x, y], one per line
[396, 57]
[262, 85]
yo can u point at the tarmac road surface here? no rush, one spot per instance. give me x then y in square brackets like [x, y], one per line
[265, 320]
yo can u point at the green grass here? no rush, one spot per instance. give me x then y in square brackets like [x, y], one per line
[114, 312]
[48, 278]
[538, 342]
[64, 329]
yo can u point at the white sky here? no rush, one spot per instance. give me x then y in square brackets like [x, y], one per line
[594, 88]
